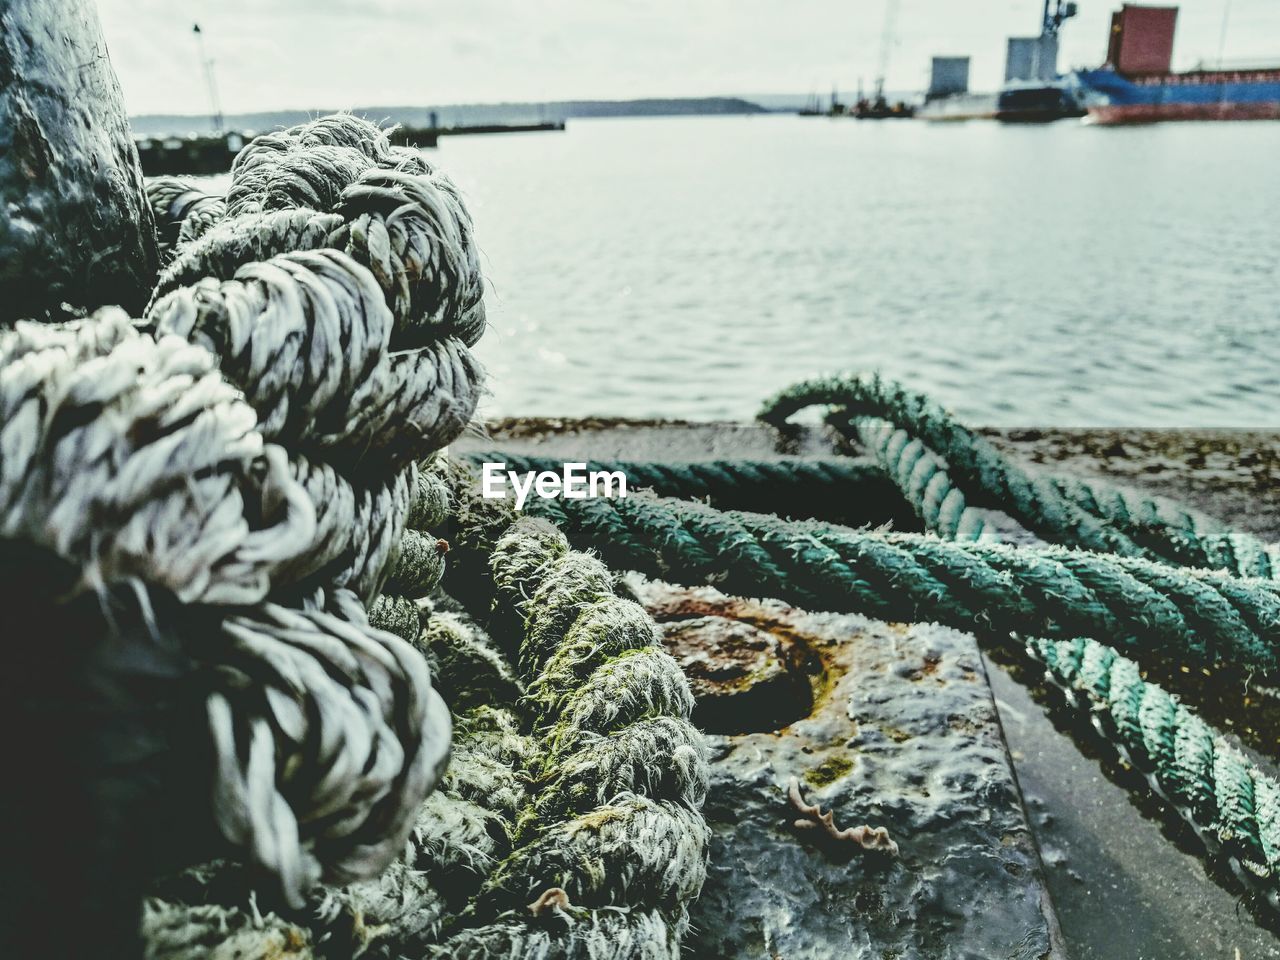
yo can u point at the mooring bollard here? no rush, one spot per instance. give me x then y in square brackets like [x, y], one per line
[75, 226]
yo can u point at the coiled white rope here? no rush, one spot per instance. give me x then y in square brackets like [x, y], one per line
[250, 446]
[133, 457]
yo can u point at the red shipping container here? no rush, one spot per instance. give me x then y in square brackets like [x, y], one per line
[1142, 39]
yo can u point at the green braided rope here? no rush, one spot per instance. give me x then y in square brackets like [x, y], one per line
[1201, 616]
[1178, 533]
[974, 460]
[840, 489]
[1175, 532]
[1069, 511]
[922, 477]
[1229, 801]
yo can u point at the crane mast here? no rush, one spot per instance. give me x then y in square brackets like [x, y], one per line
[1057, 12]
[214, 102]
[886, 44]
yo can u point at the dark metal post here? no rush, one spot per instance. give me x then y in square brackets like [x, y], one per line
[75, 226]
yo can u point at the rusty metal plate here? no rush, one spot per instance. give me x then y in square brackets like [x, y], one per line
[876, 724]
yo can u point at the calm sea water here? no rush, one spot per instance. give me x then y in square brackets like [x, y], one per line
[1061, 275]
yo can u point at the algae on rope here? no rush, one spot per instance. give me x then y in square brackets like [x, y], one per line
[575, 780]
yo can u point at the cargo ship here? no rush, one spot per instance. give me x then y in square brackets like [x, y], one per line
[1033, 91]
[1137, 85]
[1037, 102]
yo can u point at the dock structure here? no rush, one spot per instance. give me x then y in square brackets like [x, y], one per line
[949, 97]
[188, 156]
[211, 154]
[426, 137]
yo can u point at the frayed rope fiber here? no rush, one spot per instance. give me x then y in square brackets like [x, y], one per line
[607, 845]
[338, 184]
[182, 213]
[568, 821]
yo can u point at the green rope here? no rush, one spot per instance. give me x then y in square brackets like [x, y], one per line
[934, 460]
[839, 489]
[1179, 535]
[1203, 617]
[974, 460]
[922, 477]
[1228, 801]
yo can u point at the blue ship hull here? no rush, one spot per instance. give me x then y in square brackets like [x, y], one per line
[1112, 97]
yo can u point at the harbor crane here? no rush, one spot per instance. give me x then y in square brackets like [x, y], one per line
[887, 37]
[207, 62]
[878, 107]
[1056, 13]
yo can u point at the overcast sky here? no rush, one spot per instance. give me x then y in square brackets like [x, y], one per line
[333, 54]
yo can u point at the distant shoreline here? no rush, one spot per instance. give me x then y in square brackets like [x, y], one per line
[459, 114]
